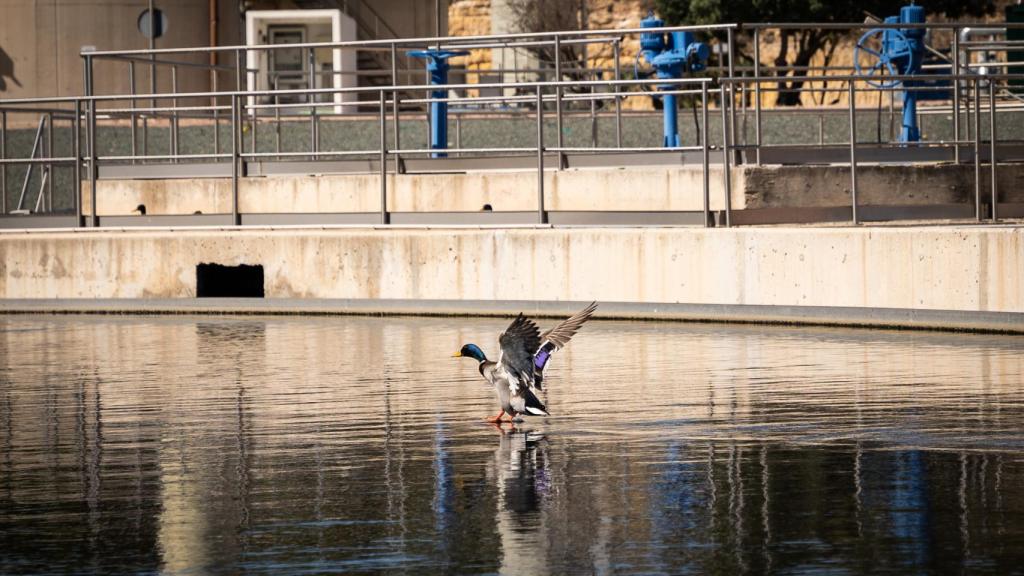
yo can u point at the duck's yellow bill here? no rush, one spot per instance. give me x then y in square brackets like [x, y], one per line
[457, 354]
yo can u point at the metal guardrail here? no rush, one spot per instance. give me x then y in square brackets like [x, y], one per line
[247, 110]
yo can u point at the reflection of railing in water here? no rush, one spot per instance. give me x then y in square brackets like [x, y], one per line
[574, 92]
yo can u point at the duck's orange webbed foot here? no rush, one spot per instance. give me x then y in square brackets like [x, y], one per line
[497, 418]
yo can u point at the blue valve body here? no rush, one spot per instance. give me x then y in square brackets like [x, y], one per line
[671, 55]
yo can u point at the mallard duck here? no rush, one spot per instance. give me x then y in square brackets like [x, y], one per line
[518, 375]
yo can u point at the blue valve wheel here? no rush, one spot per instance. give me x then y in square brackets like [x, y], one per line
[882, 62]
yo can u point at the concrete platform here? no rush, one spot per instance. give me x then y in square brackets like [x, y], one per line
[637, 188]
[888, 318]
[966, 270]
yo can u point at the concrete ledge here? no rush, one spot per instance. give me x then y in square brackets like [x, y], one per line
[889, 318]
[970, 269]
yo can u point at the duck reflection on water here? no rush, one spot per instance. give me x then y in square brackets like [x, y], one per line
[522, 476]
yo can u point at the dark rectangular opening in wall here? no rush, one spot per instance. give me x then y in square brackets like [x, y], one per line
[217, 281]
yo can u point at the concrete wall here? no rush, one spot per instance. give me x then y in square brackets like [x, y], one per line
[664, 188]
[976, 268]
[671, 188]
[40, 42]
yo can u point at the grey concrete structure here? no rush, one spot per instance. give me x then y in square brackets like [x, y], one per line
[649, 188]
[912, 270]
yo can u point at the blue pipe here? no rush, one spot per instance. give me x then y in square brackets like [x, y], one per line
[437, 65]
[671, 132]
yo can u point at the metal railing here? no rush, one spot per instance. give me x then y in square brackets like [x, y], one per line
[738, 89]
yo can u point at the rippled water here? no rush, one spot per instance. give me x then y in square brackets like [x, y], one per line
[301, 445]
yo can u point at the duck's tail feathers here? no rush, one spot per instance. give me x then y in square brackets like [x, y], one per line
[533, 405]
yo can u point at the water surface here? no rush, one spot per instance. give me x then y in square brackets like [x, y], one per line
[202, 445]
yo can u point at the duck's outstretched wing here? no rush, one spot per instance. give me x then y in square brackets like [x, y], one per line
[556, 338]
[518, 343]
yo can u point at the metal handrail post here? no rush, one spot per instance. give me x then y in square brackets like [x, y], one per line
[458, 136]
[48, 205]
[618, 99]
[383, 160]
[93, 168]
[235, 138]
[732, 73]
[956, 94]
[726, 180]
[593, 119]
[977, 148]
[174, 115]
[76, 144]
[706, 183]
[311, 81]
[394, 82]
[238, 88]
[216, 116]
[541, 216]
[992, 144]
[277, 119]
[134, 104]
[3, 156]
[853, 150]
[558, 97]
[253, 124]
[757, 96]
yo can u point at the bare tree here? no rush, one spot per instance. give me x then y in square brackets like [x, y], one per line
[554, 16]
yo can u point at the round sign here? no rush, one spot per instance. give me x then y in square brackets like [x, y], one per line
[146, 27]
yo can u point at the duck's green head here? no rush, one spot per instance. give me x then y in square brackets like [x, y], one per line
[472, 351]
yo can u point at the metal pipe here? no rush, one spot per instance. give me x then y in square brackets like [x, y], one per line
[93, 156]
[558, 97]
[593, 121]
[977, 148]
[254, 122]
[235, 137]
[427, 88]
[732, 73]
[541, 215]
[383, 161]
[3, 156]
[618, 99]
[41, 197]
[216, 115]
[312, 101]
[48, 149]
[706, 180]
[134, 104]
[992, 144]
[277, 121]
[853, 150]
[757, 97]
[455, 41]
[152, 47]
[28, 173]
[727, 184]
[458, 131]
[394, 82]
[76, 145]
[956, 95]
[174, 114]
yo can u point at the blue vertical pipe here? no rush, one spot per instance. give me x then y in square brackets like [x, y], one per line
[437, 66]
[439, 118]
[671, 132]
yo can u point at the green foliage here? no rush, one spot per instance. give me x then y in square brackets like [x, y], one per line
[679, 12]
[805, 44]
